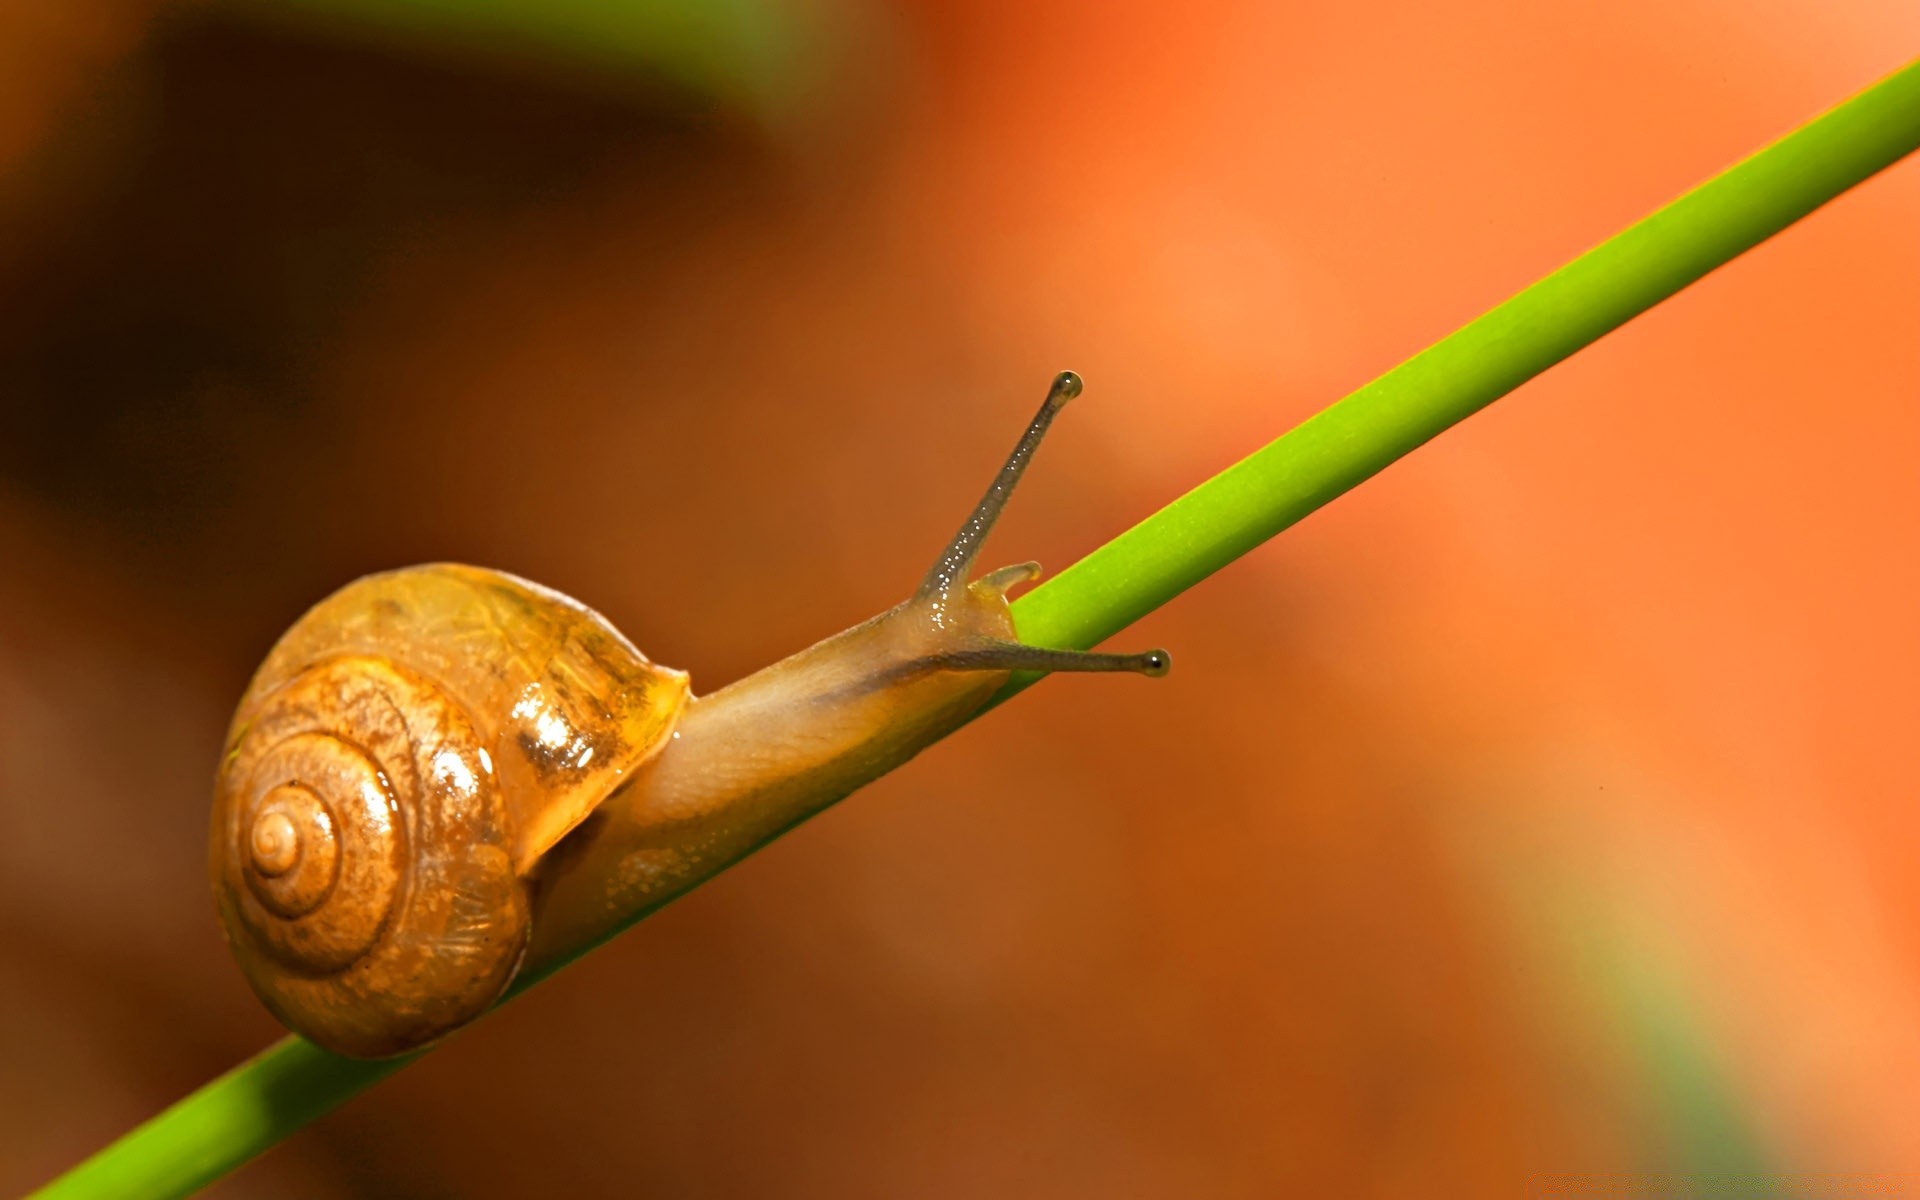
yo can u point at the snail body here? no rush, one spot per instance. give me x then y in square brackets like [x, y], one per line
[444, 776]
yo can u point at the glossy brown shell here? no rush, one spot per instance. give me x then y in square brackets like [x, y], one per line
[408, 751]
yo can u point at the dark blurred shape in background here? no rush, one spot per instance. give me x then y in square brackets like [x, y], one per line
[1542, 808]
[186, 256]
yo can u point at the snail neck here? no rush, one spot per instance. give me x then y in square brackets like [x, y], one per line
[761, 755]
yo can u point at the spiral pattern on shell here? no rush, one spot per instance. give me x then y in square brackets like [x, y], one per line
[361, 853]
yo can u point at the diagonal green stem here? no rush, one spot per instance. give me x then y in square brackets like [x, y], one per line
[1349, 441]
[247, 1110]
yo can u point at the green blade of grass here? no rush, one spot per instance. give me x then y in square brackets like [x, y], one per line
[247, 1110]
[1351, 440]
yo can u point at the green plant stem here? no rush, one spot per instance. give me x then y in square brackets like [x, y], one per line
[1349, 441]
[247, 1110]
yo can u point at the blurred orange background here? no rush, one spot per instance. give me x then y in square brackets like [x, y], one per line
[1543, 808]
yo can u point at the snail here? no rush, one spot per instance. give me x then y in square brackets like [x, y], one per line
[444, 776]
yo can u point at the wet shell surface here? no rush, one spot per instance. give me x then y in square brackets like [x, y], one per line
[401, 761]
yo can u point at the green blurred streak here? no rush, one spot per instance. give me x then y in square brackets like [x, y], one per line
[244, 1112]
[1707, 1131]
[750, 53]
[1621, 971]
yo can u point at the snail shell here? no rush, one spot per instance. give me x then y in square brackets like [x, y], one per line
[401, 761]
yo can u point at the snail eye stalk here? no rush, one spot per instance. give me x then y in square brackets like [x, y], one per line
[949, 572]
